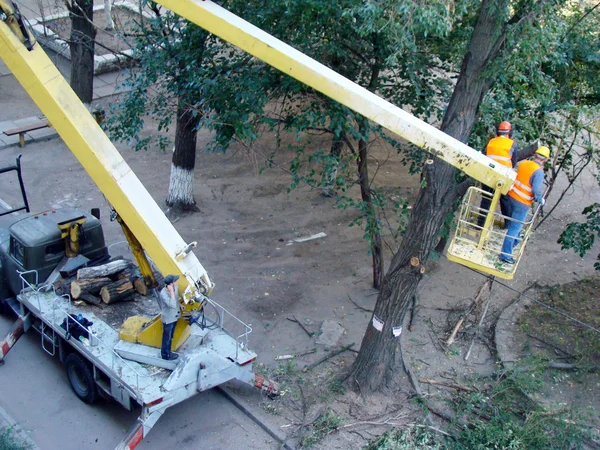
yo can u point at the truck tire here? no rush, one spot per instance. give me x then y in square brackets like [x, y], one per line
[81, 378]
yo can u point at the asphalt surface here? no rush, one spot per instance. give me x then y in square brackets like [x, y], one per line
[36, 395]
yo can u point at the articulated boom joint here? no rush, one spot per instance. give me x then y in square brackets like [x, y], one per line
[9, 13]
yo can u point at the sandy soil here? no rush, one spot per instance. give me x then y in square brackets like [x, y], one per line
[109, 41]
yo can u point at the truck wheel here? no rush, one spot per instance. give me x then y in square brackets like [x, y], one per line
[81, 378]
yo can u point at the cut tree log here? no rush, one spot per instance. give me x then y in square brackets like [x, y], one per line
[140, 286]
[91, 299]
[130, 272]
[119, 291]
[89, 286]
[103, 270]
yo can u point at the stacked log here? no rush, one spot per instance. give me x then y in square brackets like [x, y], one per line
[88, 286]
[119, 291]
[140, 286]
[102, 271]
[115, 281]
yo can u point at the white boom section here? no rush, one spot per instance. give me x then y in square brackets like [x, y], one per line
[290, 61]
[99, 157]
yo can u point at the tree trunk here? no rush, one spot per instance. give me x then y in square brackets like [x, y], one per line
[376, 246]
[331, 168]
[119, 291]
[108, 15]
[374, 365]
[181, 185]
[81, 45]
[89, 286]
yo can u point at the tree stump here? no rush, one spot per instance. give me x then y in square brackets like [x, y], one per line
[89, 286]
[103, 270]
[119, 291]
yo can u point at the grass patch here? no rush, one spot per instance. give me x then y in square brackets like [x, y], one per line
[504, 417]
[559, 338]
[500, 416]
[415, 438]
[326, 423]
[8, 441]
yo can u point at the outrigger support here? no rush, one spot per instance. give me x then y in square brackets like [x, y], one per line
[18, 329]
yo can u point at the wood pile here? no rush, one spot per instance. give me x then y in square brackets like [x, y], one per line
[113, 282]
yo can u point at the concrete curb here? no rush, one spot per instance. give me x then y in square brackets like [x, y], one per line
[503, 332]
[20, 434]
[256, 415]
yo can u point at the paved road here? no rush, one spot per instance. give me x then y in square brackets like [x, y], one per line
[34, 390]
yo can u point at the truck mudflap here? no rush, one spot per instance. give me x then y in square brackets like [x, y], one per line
[21, 325]
[141, 428]
[133, 438]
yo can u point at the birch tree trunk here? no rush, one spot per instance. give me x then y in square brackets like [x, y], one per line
[81, 45]
[110, 25]
[181, 185]
[373, 369]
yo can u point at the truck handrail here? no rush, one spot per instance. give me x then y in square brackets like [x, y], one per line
[35, 290]
[100, 341]
[221, 324]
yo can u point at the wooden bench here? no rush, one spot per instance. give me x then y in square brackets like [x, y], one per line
[22, 130]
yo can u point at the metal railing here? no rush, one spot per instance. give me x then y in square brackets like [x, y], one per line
[241, 340]
[480, 247]
[56, 305]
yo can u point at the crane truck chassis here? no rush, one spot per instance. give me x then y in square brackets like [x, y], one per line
[88, 340]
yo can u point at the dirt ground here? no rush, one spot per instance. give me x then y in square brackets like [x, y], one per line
[245, 231]
[109, 42]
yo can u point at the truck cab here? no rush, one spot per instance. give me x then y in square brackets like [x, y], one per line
[34, 242]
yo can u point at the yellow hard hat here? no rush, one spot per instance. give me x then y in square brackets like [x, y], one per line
[543, 151]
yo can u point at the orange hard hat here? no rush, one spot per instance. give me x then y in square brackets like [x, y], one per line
[504, 126]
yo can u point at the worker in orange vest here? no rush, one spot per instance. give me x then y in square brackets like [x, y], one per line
[503, 150]
[526, 189]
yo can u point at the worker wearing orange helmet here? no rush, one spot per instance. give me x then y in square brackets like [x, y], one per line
[503, 150]
[526, 189]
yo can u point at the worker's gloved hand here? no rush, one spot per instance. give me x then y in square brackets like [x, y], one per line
[543, 202]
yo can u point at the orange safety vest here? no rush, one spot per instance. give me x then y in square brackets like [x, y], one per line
[522, 191]
[499, 150]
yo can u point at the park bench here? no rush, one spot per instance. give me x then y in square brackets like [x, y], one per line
[22, 130]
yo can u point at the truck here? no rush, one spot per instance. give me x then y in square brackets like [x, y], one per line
[33, 243]
[89, 340]
[115, 360]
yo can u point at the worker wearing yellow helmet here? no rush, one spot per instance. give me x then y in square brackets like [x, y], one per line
[526, 189]
[503, 150]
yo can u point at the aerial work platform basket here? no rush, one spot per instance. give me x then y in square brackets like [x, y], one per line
[479, 247]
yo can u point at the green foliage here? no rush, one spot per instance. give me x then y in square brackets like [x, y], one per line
[183, 67]
[417, 438]
[9, 442]
[506, 418]
[500, 416]
[580, 237]
[327, 422]
[337, 387]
